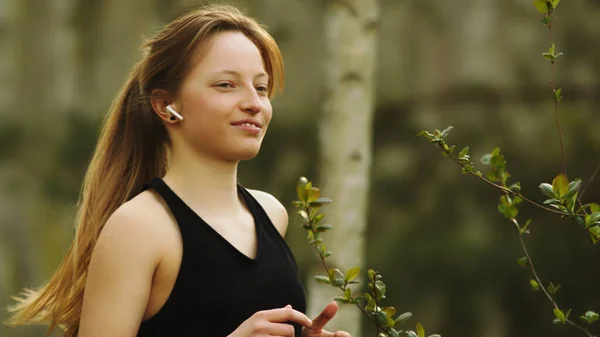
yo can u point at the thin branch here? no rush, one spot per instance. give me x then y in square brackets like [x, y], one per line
[589, 182]
[307, 209]
[537, 279]
[556, 114]
[535, 275]
[504, 189]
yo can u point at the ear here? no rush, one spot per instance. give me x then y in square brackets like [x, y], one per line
[159, 99]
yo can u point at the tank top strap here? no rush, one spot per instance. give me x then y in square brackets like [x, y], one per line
[255, 207]
[175, 204]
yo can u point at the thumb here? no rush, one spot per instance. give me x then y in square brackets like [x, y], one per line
[288, 306]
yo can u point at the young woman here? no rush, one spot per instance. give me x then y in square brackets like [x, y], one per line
[167, 242]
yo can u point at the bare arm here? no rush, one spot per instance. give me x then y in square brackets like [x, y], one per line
[119, 277]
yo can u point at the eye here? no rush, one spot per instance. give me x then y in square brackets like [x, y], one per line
[262, 88]
[225, 85]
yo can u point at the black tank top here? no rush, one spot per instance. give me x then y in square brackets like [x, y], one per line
[218, 287]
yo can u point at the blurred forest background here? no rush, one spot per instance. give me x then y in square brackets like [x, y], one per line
[445, 253]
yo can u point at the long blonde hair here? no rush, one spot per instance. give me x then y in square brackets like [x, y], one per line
[131, 150]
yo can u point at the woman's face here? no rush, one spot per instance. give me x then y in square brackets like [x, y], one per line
[224, 100]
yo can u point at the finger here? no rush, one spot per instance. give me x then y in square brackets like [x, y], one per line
[341, 334]
[287, 314]
[280, 329]
[325, 316]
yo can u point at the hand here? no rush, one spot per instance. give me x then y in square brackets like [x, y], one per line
[316, 329]
[271, 323]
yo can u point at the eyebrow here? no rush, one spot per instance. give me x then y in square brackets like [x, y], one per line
[235, 73]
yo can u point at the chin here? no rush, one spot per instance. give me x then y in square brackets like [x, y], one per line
[245, 154]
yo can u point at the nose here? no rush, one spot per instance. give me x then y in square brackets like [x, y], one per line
[251, 102]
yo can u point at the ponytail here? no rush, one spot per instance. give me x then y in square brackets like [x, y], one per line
[131, 150]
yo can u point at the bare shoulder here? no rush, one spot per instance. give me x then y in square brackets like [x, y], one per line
[128, 251]
[274, 208]
[140, 220]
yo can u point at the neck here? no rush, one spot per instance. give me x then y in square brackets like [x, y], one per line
[205, 182]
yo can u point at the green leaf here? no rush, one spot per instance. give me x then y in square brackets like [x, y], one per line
[548, 56]
[327, 253]
[560, 185]
[389, 311]
[486, 159]
[446, 131]
[591, 219]
[403, 318]
[555, 3]
[553, 289]
[559, 315]
[304, 215]
[411, 334]
[338, 282]
[435, 335]
[322, 279]
[372, 274]
[381, 289]
[591, 317]
[551, 201]
[595, 207]
[524, 229]
[321, 202]
[522, 261]
[541, 6]
[463, 152]
[300, 189]
[551, 50]
[505, 207]
[314, 193]
[348, 294]
[341, 300]
[574, 187]
[352, 273]
[323, 228]
[594, 233]
[516, 187]
[381, 318]
[547, 190]
[451, 149]
[420, 330]
[425, 134]
[493, 176]
[546, 19]
[557, 95]
[534, 285]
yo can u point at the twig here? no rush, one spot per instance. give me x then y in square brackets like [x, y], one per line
[556, 114]
[307, 209]
[504, 189]
[541, 285]
[589, 182]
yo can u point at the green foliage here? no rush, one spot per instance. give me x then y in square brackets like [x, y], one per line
[563, 195]
[370, 303]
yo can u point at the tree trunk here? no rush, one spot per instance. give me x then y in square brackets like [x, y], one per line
[350, 56]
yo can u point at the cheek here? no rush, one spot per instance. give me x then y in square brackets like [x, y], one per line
[268, 111]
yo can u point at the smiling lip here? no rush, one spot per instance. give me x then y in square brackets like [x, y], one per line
[248, 122]
[250, 126]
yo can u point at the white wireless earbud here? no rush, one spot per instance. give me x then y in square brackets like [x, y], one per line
[175, 113]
